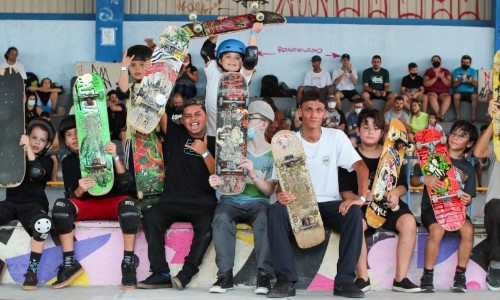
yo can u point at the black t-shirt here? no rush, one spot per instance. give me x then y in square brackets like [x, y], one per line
[117, 121]
[30, 190]
[187, 174]
[173, 113]
[412, 85]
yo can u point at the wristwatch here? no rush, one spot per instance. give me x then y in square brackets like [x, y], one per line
[363, 199]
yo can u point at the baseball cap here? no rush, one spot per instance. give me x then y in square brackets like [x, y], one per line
[345, 55]
[262, 108]
[316, 58]
[312, 95]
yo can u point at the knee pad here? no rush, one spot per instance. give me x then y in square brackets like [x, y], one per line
[128, 216]
[63, 214]
[40, 226]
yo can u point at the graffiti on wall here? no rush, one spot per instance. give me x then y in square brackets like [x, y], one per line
[109, 72]
[484, 84]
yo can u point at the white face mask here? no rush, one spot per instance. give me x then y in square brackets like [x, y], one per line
[331, 105]
[358, 110]
[185, 64]
[31, 102]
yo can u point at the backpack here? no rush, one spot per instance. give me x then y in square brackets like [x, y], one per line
[269, 86]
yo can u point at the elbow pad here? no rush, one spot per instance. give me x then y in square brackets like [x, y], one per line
[251, 57]
[36, 171]
[207, 51]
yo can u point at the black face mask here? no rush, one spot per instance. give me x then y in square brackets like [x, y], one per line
[465, 67]
[436, 64]
[413, 74]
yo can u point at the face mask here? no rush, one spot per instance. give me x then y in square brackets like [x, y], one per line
[31, 102]
[251, 133]
[436, 64]
[185, 64]
[358, 110]
[331, 105]
[465, 67]
[413, 74]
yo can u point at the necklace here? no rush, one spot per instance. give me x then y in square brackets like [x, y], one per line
[317, 146]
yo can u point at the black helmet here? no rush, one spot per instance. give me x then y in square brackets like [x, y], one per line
[67, 123]
[140, 52]
[45, 124]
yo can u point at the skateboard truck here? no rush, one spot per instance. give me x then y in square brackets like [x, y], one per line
[255, 11]
[290, 160]
[196, 24]
[445, 198]
[431, 145]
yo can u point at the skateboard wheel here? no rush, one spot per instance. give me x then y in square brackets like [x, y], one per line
[395, 208]
[140, 195]
[443, 140]
[379, 196]
[245, 171]
[254, 5]
[138, 100]
[259, 17]
[218, 171]
[419, 145]
[197, 28]
[101, 95]
[193, 16]
[460, 193]
[434, 199]
[221, 101]
[161, 111]
[160, 100]
[410, 148]
[394, 135]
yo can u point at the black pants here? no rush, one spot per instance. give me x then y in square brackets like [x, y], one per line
[161, 216]
[492, 225]
[23, 212]
[350, 226]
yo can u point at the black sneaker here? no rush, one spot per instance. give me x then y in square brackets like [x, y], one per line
[426, 284]
[362, 284]
[405, 286]
[181, 280]
[282, 289]
[349, 290]
[30, 281]
[3, 267]
[263, 284]
[459, 283]
[493, 279]
[224, 282]
[129, 278]
[65, 275]
[155, 281]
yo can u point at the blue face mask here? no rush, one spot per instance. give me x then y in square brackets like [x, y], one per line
[31, 102]
[251, 133]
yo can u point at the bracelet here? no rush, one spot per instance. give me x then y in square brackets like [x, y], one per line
[204, 155]
[125, 69]
[421, 179]
[116, 158]
[253, 33]
[363, 199]
[254, 179]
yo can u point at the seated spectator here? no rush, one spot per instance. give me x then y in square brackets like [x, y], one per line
[47, 94]
[437, 82]
[433, 123]
[117, 116]
[12, 62]
[31, 109]
[285, 124]
[397, 112]
[376, 84]
[187, 78]
[464, 82]
[419, 120]
[278, 117]
[352, 122]
[174, 108]
[344, 79]
[412, 87]
[334, 118]
[316, 79]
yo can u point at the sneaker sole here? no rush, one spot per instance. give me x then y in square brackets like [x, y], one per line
[128, 287]
[29, 287]
[403, 290]
[217, 290]
[176, 283]
[427, 290]
[153, 287]
[366, 289]
[261, 291]
[68, 281]
[492, 287]
[459, 290]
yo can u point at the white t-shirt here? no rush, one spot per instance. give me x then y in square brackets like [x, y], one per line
[333, 150]
[319, 80]
[345, 83]
[213, 74]
[18, 66]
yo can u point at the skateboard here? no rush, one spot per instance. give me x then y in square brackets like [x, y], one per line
[387, 174]
[158, 82]
[434, 161]
[293, 175]
[92, 125]
[496, 97]
[231, 135]
[12, 156]
[148, 167]
[203, 29]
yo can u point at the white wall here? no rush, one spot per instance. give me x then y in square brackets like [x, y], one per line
[51, 48]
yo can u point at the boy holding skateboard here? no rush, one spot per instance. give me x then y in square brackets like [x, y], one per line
[463, 136]
[326, 149]
[231, 56]
[370, 130]
[28, 202]
[79, 205]
[250, 206]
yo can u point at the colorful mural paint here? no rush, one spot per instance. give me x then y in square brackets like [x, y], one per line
[99, 248]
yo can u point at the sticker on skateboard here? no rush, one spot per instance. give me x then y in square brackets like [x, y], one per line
[496, 97]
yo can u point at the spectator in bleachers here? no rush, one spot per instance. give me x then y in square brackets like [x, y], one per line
[464, 83]
[187, 78]
[12, 62]
[377, 85]
[31, 108]
[316, 79]
[352, 122]
[117, 116]
[174, 108]
[437, 82]
[278, 117]
[285, 124]
[48, 94]
[433, 122]
[344, 79]
[418, 120]
[334, 118]
[397, 112]
[412, 87]
[485, 149]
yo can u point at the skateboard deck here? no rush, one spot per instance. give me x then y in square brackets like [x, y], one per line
[158, 82]
[434, 161]
[231, 136]
[148, 167]
[12, 156]
[293, 175]
[496, 97]
[92, 125]
[204, 29]
[387, 174]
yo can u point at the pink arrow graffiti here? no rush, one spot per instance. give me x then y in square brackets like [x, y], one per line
[260, 53]
[333, 55]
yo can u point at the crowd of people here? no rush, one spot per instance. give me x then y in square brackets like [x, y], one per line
[342, 155]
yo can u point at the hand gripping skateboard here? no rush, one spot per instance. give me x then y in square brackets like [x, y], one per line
[92, 126]
[434, 160]
[387, 174]
[496, 97]
[203, 29]
[158, 82]
[293, 175]
[12, 156]
[231, 136]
